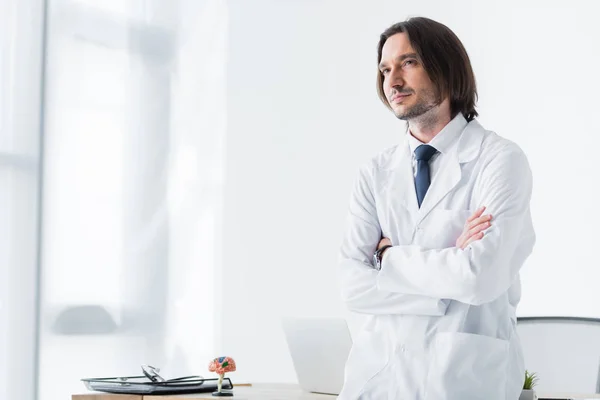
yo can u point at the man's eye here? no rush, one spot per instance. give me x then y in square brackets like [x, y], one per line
[385, 71]
[409, 62]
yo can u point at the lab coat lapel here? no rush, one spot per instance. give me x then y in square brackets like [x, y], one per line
[450, 173]
[404, 179]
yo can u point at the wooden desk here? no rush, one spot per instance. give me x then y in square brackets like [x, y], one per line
[272, 391]
[260, 391]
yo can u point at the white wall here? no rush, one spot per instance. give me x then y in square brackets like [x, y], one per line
[303, 114]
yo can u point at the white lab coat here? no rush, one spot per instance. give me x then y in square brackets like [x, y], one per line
[440, 320]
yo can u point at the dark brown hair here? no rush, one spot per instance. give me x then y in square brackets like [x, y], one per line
[444, 58]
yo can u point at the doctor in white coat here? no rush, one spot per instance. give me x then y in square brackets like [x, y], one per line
[449, 225]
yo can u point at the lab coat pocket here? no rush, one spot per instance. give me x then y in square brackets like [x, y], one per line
[442, 227]
[467, 367]
[369, 355]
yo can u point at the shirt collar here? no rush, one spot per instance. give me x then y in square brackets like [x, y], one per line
[445, 138]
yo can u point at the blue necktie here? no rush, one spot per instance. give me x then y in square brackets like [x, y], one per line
[423, 154]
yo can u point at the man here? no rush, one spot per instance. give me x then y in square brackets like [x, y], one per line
[437, 277]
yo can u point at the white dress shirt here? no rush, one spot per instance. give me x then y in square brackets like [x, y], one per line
[441, 142]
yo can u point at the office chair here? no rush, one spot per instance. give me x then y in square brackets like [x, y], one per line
[564, 352]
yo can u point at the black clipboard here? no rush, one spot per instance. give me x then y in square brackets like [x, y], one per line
[142, 385]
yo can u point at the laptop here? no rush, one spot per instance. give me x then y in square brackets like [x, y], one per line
[319, 348]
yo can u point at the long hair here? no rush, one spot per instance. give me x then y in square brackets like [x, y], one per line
[444, 58]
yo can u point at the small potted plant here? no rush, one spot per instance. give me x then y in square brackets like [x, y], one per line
[530, 381]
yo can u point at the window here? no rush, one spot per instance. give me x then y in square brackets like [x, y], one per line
[134, 121]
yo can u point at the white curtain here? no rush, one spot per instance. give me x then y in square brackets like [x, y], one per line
[21, 38]
[133, 134]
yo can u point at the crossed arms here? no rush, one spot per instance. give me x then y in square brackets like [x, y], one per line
[419, 281]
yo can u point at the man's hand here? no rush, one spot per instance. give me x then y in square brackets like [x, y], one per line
[474, 227]
[383, 242]
[472, 231]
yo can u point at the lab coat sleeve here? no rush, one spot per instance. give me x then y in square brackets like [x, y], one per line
[487, 267]
[357, 274]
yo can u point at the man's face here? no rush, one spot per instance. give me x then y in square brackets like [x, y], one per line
[407, 86]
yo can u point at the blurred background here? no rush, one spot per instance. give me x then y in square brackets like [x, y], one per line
[174, 174]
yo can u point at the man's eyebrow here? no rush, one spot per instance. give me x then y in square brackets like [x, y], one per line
[399, 58]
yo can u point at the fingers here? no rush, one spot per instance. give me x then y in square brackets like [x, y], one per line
[474, 228]
[478, 221]
[471, 239]
[484, 224]
[477, 214]
[476, 231]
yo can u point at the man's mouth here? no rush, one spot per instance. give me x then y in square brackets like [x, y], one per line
[399, 97]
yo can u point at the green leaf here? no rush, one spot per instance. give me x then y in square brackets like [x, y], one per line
[531, 380]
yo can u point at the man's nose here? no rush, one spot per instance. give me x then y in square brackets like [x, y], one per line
[396, 79]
